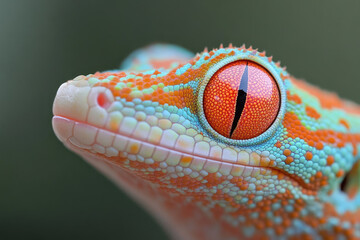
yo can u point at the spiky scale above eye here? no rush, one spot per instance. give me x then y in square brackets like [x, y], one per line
[241, 100]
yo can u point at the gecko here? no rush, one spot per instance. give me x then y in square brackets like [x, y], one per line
[223, 144]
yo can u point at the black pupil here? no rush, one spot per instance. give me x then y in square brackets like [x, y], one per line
[241, 99]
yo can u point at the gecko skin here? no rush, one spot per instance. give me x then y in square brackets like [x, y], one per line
[221, 145]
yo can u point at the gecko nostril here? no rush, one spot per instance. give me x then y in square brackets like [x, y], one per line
[103, 100]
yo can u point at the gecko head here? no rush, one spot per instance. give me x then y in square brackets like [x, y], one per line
[229, 121]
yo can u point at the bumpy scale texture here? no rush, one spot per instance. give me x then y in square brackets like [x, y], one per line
[152, 127]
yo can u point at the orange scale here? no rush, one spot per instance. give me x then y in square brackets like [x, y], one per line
[319, 145]
[289, 160]
[311, 112]
[287, 152]
[340, 173]
[331, 140]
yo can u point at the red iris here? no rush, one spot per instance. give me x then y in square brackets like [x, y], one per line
[241, 100]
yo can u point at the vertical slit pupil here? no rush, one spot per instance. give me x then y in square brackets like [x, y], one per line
[241, 99]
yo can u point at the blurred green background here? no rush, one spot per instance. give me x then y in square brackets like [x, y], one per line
[48, 192]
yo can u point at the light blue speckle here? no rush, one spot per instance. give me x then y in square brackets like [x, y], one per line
[183, 69]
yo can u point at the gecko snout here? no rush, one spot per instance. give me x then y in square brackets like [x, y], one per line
[78, 101]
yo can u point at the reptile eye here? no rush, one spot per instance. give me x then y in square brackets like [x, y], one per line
[241, 100]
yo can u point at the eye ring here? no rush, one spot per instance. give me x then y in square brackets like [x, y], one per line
[273, 70]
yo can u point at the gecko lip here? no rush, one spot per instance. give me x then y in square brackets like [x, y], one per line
[65, 127]
[81, 120]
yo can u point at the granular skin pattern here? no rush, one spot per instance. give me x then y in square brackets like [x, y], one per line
[221, 145]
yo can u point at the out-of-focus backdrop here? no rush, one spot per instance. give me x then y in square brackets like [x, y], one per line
[47, 192]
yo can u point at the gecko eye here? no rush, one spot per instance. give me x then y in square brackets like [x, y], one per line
[241, 100]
